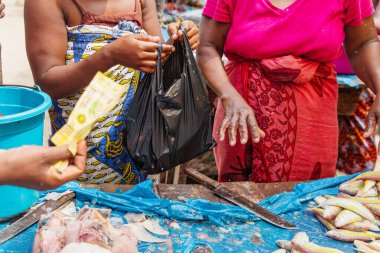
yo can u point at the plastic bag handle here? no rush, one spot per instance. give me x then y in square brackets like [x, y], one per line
[158, 72]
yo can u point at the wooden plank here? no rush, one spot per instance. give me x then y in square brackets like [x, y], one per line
[252, 191]
[183, 192]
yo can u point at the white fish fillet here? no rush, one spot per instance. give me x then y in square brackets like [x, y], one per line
[135, 217]
[83, 247]
[154, 227]
[142, 234]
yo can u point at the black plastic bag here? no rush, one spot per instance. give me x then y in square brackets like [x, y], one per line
[170, 118]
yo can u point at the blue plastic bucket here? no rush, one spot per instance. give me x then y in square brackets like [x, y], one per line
[21, 123]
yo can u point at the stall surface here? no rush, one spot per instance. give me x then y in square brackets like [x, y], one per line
[205, 221]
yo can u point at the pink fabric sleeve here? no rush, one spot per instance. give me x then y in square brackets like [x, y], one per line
[223, 11]
[357, 10]
[209, 8]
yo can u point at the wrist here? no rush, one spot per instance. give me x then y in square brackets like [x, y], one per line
[227, 94]
[106, 59]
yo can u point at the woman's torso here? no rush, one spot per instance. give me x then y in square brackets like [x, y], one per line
[108, 161]
[306, 28]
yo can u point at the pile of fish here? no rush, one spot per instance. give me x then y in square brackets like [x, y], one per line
[301, 244]
[91, 230]
[354, 214]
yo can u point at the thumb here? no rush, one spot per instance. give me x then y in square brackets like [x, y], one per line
[145, 37]
[370, 124]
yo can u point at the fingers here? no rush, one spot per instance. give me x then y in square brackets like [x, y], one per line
[81, 157]
[173, 30]
[232, 130]
[147, 38]
[370, 124]
[55, 154]
[255, 131]
[223, 127]
[194, 42]
[243, 130]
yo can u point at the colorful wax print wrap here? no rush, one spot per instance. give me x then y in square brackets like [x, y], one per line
[107, 160]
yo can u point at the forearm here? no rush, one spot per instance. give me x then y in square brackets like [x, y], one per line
[65, 80]
[366, 64]
[5, 170]
[211, 65]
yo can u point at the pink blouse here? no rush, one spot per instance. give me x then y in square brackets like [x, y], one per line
[313, 29]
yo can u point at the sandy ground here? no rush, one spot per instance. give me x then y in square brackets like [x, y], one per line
[15, 64]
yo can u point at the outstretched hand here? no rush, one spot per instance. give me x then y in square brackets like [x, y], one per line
[32, 166]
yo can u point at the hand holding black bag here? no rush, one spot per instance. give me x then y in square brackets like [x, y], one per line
[170, 118]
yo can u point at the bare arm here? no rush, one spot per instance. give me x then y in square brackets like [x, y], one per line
[376, 17]
[238, 114]
[363, 49]
[46, 42]
[150, 18]
[32, 166]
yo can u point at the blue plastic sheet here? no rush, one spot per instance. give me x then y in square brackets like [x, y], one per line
[223, 228]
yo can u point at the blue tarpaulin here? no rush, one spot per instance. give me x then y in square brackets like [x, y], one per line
[221, 227]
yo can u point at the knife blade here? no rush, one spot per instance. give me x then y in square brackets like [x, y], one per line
[33, 216]
[239, 200]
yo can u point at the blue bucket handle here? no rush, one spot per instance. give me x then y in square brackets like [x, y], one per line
[35, 87]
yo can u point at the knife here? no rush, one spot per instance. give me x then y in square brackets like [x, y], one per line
[239, 200]
[33, 216]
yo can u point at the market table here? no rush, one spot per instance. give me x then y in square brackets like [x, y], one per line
[181, 192]
[207, 220]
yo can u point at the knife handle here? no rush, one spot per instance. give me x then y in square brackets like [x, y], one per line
[200, 178]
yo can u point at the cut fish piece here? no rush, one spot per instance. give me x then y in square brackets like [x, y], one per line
[135, 217]
[154, 227]
[83, 247]
[142, 234]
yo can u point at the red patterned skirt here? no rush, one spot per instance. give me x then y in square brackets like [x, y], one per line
[295, 103]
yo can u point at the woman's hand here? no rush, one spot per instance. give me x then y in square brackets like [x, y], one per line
[373, 119]
[239, 115]
[137, 51]
[192, 33]
[32, 166]
[2, 7]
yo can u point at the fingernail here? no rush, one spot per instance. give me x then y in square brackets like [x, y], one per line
[256, 140]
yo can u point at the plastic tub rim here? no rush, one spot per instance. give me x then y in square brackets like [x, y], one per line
[31, 112]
